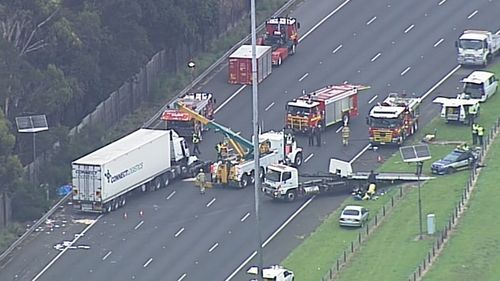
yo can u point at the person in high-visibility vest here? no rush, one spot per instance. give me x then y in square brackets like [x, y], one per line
[196, 142]
[480, 134]
[346, 131]
[200, 180]
[474, 134]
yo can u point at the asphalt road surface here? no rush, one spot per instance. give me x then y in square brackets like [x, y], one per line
[178, 234]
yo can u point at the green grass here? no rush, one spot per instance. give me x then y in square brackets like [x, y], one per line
[393, 252]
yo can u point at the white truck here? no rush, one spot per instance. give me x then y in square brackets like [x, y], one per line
[477, 47]
[240, 173]
[282, 181]
[145, 160]
[480, 85]
[273, 273]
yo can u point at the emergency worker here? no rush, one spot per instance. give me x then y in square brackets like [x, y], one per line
[200, 180]
[474, 134]
[196, 143]
[480, 134]
[346, 131]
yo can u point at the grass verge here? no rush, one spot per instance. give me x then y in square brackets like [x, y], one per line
[393, 251]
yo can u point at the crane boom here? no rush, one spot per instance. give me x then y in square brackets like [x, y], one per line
[243, 147]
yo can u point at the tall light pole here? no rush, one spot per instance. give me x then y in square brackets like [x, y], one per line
[256, 152]
[420, 164]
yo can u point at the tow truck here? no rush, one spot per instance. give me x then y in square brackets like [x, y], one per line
[282, 35]
[477, 47]
[326, 106]
[201, 102]
[394, 120]
[282, 181]
[458, 109]
[238, 168]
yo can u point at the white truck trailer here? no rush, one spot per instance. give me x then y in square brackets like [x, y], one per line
[477, 47]
[145, 160]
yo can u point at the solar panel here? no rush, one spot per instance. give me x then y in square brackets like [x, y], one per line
[415, 153]
[32, 124]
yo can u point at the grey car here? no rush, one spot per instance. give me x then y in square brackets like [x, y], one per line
[458, 159]
[353, 216]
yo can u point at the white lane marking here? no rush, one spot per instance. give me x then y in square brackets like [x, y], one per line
[213, 247]
[245, 262]
[179, 232]
[107, 255]
[245, 217]
[441, 2]
[303, 77]
[324, 19]
[375, 57]
[498, 32]
[438, 42]
[409, 28]
[370, 21]
[471, 15]
[309, 157]
[182, 277]
[148, 262]
[337, 49]
[441, 81]
[269, 106]
[65, 249]
[372, 99]
[138, 225]
[170, 195]
[339, 129]
[359, 153]
[230, 98]
[211, 202]
[405, 71]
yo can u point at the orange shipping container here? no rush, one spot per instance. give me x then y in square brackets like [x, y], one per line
[240, 64]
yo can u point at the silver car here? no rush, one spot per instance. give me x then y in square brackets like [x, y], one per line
[353, 216]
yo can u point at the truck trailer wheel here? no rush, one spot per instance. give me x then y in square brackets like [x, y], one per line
[157, 183]
[291, 195]
[165, 179]
[245, 179]
[294, 49]
[108, 208]
[123, 200]
[298, 159]
[116, 204]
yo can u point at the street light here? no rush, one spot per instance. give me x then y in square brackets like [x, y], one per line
[192, 66]
[417, 154]
[32, 124]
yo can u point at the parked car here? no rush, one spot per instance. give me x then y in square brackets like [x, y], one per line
[353, 216]
[458, 159]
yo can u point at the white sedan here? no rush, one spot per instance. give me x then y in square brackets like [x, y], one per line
[353, 216]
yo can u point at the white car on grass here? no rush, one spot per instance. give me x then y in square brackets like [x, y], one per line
[353, 215]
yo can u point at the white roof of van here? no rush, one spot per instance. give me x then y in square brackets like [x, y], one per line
[477, 77]
[245, 51]
[122, 146]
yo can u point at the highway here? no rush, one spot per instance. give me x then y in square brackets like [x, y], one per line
[392, 46]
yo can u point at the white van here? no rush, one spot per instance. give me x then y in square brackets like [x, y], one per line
[480, 85]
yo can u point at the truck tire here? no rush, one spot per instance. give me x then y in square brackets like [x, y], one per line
[116, 204]
[279, 62]
[157, 183]
[143, 188]
[293, 49]
[245, 179]
[252, 176]
[123, 200]
[298, 159]
[108, 208]
[291, 196]
[165, 179]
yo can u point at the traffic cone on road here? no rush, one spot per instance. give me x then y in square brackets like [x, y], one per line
[380, 159]
[141, 213]
[125, 216]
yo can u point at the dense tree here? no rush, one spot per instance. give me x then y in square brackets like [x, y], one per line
[11, 169]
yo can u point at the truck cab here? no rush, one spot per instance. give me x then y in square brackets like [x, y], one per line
[280, 180]
[480, 85]
[285, 145]
[477, 47]
[282, 35]
[273, 273]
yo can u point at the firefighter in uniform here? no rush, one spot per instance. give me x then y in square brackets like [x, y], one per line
[200, 180]
[318, 135]
[345, 135]
[196, 143]
[480, 134]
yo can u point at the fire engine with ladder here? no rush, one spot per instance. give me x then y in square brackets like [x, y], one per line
[326, 106]
[282, 35]
[393, 120]
[184, 124]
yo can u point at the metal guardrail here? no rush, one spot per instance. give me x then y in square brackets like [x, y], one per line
[33, 227]
[216, 64]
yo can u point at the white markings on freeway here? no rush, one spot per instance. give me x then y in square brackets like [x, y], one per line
[211, 202]
[337, 49]
[405, 71]
[107, 255]
[213, 247]
[269, 106]
[441, 2]
[309, 157]
[245, 217]
[148, 262]
[138, 225]
[471, 15]
[179, 232]
[372, 99]
[339, 129]
[323, 20]
[438, 42]
[230, 98]
[370, 21]
[170, 195]
[182, 277]
[409, 28]
[375, 57]
[303, 77]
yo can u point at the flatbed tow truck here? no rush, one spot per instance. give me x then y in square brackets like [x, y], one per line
[282, 181]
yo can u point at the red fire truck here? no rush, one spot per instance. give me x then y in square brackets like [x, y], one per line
[325, 107]
[201, 102]
[395, 119]
[282, 35]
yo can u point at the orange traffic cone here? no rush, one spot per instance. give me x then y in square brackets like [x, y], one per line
[141, 213]
[380, 159]
[125, 216]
